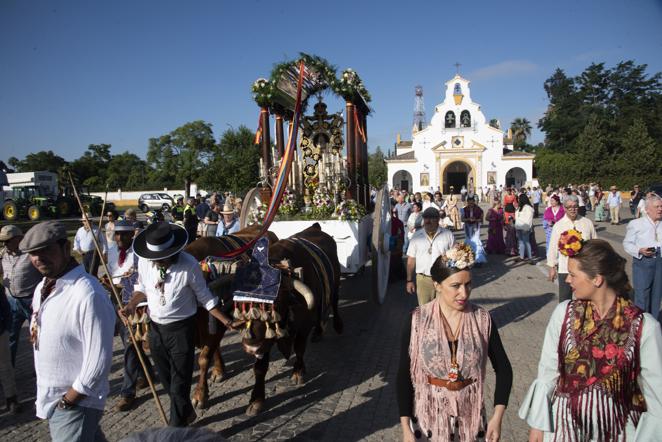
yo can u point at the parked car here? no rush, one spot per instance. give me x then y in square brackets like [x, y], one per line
[150, 201]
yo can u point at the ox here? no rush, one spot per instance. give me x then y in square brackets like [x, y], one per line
[209, 341]
[302, 306]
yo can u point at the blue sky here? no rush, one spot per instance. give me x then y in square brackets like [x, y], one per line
[74, 73]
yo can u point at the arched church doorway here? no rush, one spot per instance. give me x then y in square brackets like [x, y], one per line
[516, 177]
[402, 180]
[456, 175]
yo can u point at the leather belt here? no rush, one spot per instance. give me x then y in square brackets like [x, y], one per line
[450, 385]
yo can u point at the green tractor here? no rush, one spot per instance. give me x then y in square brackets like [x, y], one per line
[28, 202]
[67, 205]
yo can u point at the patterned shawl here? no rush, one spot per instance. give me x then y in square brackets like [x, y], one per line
[598, 367]
[431, 356]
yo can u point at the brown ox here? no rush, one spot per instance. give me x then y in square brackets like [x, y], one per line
[209, 343]
[302, 307]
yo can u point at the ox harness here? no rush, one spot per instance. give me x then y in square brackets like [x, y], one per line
[324, 272]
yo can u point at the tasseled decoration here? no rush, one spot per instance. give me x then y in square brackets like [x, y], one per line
[264, 315]
[280, 332]
[244, 317]
[236, 313]
[253, 313]
[132, 319]
[275, 316]
[246, 332]
[269, 334]
[145, 330]
[137, 334]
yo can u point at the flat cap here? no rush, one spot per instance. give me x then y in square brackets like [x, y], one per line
[43, 235]
[9, 231]
[431, 212]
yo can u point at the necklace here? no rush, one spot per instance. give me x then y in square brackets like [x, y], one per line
[454, 374]
[431, 241]
[161, 284]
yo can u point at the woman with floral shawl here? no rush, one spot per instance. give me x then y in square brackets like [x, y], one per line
[443, 359]
[600, 371]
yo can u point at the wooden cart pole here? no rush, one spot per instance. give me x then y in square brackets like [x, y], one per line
[349, 141]
[266, 140]
[280, 136]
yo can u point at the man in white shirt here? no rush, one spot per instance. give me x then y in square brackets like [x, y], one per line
[557, 262]
[424, 248]
[72, 333]
[536, 197]
[614, 202]
[84, 244]
[123, 267]
[643, 240]
[173, 285]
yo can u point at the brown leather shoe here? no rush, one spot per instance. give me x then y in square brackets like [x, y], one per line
[141, 383]
[125, 403]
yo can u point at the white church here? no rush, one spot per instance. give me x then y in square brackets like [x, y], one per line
[458, 148]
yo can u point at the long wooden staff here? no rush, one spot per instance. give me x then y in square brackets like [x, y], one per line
[103, 207]
[119, 303]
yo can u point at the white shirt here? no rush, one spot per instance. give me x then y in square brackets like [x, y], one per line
[426, 251]
[184, 289]
[614, 199]
[524, 218]
[117, 270]
[75, 341]
[84, 240]
[640, 233]
[582, 224]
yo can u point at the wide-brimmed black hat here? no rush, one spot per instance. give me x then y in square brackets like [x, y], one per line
[159, 241]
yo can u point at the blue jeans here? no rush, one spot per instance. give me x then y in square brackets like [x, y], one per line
[524, 243]
[79, 424]
[132, 367]
[647, 281]
[21, 310]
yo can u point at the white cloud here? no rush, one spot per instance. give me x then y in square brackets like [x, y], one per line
[505, 68]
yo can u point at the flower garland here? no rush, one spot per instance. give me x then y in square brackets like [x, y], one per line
[349, 210]
[570, 242]
[350, 85]
[460, 256]
[262, 92]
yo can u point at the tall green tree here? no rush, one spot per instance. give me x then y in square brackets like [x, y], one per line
[91, 168]
[181, 155]
[377, 171]
[38, 161]
[128, 171]
[640, 159]
[592, 152]
[234, 164]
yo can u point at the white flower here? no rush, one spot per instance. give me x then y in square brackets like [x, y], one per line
[460, 265]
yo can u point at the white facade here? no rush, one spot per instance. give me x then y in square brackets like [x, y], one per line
[458, 148]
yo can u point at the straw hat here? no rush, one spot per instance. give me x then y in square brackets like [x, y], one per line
[227, 209]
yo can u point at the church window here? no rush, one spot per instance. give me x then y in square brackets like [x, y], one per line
[450, 119]
[465, 119]
[458, 89]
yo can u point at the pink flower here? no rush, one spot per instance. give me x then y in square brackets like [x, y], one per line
[611, 350]
[606, 369]
[598, 353]
[591, 380]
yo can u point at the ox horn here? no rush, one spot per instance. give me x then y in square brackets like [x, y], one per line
[305, 292]
[220, 281]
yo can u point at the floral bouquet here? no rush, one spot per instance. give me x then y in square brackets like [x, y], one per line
[290, 203]
[350, 84]
[460, 256]
[570, 242]
[349, 210]
[257, 214]
[322, 203]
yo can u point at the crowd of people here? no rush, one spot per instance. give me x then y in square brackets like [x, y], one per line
[602, 353]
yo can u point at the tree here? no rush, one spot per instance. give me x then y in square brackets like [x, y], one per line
[234, 164]
[592, 152]
[38, 161]
[521, 128]
[91, 168]
[640, 160]
[127, 171]
[181, 155]
[377, 170]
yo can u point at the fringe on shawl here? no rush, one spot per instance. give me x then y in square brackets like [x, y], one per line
[432, 403]
[603, 407]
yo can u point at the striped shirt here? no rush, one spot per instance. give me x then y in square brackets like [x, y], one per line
[19, 276]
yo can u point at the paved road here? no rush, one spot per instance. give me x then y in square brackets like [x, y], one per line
[349, 394]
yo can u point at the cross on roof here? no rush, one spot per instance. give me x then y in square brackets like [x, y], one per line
[457, 68]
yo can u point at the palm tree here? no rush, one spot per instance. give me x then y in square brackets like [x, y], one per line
[521, 128]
